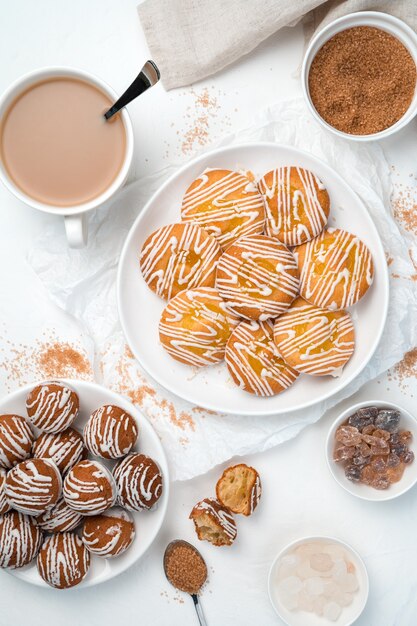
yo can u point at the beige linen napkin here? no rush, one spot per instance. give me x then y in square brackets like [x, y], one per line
[192, 39]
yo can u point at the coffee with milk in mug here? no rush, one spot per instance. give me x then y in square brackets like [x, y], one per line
[55, 144]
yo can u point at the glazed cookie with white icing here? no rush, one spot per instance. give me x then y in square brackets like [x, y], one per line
[139, 482]
[16, 438]
[178, 257]
[110, 432]
[65, 449]
[4, 505]
[33, 486]
[315, 341]
[196, 325]
[89, 488]
[20, 539]
[226, 204]
[52, 406]
[109, 534]
[254, 362]
[336, 269]
[61, 518]
[296, 202]
[63, 560]
[258, 277]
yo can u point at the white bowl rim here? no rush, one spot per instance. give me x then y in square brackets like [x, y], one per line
[390, 21]
[306, 539]
[24, 81]
[348, 486]
[165, 471]
[178, 172]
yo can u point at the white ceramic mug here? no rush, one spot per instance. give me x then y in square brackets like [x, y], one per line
[75, 216]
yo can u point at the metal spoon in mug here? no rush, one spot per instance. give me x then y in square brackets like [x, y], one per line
[187, 585]
[148, 77]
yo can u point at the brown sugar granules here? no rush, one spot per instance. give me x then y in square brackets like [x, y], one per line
[404, 206]
[184, 567]
[362, 80]
[405, 370]
[46, 358]
[62, 359]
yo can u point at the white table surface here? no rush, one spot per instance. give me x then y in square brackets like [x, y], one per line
[300, 497]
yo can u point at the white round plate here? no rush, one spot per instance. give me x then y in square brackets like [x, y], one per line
[211, 387]
[365, 492]
[349, 614]
[148, 523]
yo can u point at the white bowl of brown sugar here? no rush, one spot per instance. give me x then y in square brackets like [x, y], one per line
[359, 76]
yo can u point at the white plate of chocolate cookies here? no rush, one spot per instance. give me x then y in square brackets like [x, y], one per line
[253, 282]
[83, 484]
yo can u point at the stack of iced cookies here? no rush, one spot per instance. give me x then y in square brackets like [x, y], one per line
[253, 276]
[57, 503]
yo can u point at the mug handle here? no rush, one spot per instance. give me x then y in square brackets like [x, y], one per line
[76, 228]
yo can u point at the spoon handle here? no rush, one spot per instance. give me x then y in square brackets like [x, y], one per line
[147, 77]
[199, 610]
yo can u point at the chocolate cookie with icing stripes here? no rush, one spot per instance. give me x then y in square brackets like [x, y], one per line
[20, 539]
[16, 438]
[65, 449]
[139, 482]
[178, 257]
[111, 432]
[89, 488]
[315, 341]
[336, 269]
[254, 362]
[196, 325]
[258, 277]
[63, 560]
[52, 406]
[61, 518]
[109, 534]
[4, 505]
[226, 204]
[33, 486]
[296, 202]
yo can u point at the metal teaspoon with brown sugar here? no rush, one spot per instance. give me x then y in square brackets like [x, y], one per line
[186, 570]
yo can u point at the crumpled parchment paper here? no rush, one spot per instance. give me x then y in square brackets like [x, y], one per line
[83, 283]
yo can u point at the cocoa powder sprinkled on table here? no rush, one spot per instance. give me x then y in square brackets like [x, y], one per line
[185, 568]
[362, 80]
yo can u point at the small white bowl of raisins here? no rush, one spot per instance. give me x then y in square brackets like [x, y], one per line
[371, 448]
